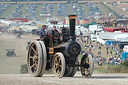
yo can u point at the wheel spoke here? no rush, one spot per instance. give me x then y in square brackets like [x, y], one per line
[55, 60]
[36, 64]
[60, 65]
[36, 57]
[31, 57]
[58, 71]
[32, 66]
[34, 51]
[59, 60]
[56, 65]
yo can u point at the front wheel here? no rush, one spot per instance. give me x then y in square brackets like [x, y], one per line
[58, 65]
[87, 65]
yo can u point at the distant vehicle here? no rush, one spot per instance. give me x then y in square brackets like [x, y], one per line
[10, 53]
[95, 28]
[34, 32]
[124, 56]
[93, 38]
[125, 49]
[114, 29]
[18, 35]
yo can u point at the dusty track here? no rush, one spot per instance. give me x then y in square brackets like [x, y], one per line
[10, 66]
[49, 79]
[9, 41]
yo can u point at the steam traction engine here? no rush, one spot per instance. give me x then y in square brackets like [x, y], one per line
[62, 56]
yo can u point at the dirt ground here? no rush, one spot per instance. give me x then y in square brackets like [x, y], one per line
[49, 79]
[10, 41]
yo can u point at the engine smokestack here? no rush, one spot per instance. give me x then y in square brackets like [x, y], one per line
[72, 19]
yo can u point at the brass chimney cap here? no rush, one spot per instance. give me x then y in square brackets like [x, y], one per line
[72, 16]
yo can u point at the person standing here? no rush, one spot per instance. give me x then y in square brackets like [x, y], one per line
[107, 52]
[43, 32]
[111, 52]
[44, 35]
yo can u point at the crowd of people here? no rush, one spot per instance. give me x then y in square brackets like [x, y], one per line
[111, 57]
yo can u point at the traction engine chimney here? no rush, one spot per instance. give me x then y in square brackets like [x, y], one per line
[72, 19]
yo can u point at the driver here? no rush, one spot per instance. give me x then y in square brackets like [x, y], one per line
[53, 33]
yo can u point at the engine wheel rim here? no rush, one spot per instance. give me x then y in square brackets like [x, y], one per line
[87, 71]
[58, 65]
[33, 58]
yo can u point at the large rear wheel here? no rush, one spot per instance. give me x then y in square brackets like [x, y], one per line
[44, 57]
[35, 59]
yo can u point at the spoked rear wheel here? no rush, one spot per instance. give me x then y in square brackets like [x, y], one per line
[35, 59]
[87, 66]
[58, 65]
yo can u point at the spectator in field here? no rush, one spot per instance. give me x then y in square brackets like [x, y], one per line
[115, 60]
[99, 47]
[89, 49]
[100, 62]
[107, 52]
[115, 53]
[118, 60]
[111, 52]
[93, 47]
[118, 54]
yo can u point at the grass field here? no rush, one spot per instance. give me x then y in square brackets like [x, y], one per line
[86, 10]
[69, 9]
[54, 10]
[120, 8]
[8, 11]
[38, 12]
[104, 11]
[23, 9]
